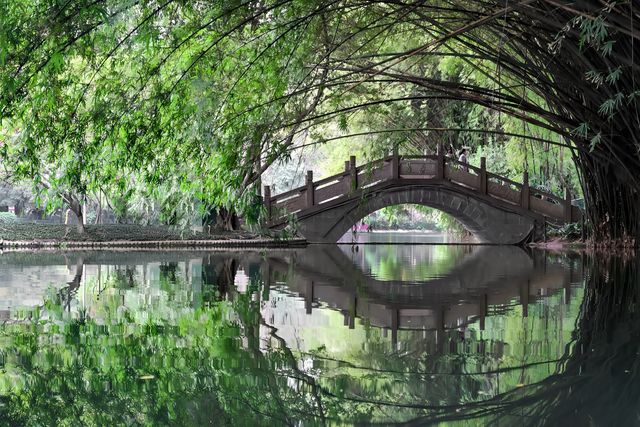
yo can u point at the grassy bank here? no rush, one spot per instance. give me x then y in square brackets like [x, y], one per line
[126, 235]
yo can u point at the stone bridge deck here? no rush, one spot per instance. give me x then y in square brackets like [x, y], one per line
[494, 208]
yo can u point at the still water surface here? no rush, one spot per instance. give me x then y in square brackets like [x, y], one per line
[400, 237]
[456, 335]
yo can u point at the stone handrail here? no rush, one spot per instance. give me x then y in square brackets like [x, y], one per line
[410, 169]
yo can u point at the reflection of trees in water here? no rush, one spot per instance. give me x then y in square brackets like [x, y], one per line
[596, 381]
[225, 362]
[169, 271]
[207, 364]
[391, 262]
[218, 276]
[124, 277]
[443, 375]
[67, 293]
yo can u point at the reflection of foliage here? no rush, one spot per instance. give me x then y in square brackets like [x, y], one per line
[433, 375]
[120, 369]
[122, 278]
[390, 262]
[151, 355]
[596, 382]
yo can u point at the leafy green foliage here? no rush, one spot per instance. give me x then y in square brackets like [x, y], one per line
[192, 118]
[189, 103]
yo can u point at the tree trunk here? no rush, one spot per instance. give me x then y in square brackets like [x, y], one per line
[220, 219]
[99, 213]
[220, 273]
[76, 208]
[227, 220]
[613, 203]
[72, 286]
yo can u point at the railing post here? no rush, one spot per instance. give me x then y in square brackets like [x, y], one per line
[346, 165]
[395, 164]
[310, 191]
[524, 194]
[440, 166]
[483, 175]
[267, 201]
[567, 205]
[354, 173]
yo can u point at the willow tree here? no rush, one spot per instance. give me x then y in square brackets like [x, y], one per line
[111, 95]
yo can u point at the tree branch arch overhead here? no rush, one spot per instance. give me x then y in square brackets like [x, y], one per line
[171, 82]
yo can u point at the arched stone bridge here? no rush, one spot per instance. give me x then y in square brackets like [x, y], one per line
[493, 208]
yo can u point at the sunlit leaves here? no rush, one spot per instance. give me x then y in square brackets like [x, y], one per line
[153, 93]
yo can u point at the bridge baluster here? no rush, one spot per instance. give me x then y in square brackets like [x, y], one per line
[354, 173]
[524, 193]
[395, 164]
[308, 297]
[525, 291]
[441, 160]
[310, 190]
[567, 206]
[483, 310]
[267, 201]
[483, 175]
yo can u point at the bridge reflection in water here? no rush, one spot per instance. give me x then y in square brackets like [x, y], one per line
[392, 287]
[479, 277]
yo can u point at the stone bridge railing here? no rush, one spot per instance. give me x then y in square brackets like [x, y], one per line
[411, 170]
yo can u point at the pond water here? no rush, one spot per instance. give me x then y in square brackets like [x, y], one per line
[399, 237]
[330, 334]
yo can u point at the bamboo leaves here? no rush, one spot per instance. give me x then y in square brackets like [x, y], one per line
[163, 92]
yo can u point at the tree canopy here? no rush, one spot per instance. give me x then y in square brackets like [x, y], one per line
[197, 99]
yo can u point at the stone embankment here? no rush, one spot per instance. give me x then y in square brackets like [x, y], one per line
[104, 237]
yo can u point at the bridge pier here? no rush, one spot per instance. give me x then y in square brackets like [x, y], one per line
[395, 165]
[353, 173]
[567, 205]
[310, 190]
[440, 166]
[524, 192]
[267, 201]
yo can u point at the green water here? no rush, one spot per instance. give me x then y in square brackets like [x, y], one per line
[456, 335]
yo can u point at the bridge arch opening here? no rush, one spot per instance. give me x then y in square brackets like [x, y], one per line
[481, 218]
[419, 222]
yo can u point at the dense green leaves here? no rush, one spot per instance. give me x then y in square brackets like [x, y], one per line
[155, 96]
